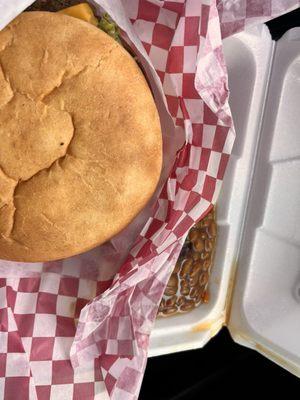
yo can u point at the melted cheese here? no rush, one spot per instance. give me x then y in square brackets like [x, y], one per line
[81, 11]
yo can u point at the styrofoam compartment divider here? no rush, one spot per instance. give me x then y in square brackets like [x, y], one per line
[258, 213]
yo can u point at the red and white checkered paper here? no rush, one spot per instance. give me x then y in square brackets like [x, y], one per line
[67, 329]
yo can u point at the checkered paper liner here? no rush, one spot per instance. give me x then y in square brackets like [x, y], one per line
[67, 330]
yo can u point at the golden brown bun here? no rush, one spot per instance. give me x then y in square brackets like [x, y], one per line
[81, 145]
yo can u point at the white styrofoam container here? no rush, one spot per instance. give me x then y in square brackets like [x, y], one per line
[255, 281]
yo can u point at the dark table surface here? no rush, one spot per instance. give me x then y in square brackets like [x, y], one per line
[222, 367]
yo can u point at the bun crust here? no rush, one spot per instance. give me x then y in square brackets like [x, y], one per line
[81, 144]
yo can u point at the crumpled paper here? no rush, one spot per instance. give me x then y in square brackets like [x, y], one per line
[112, 293]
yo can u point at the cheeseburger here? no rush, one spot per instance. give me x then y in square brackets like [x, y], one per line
[80, 137]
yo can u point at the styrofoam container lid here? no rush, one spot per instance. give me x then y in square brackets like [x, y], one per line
[266, 302]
